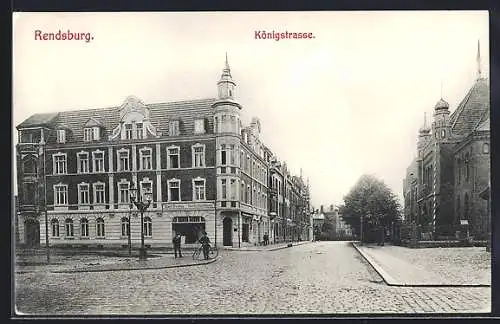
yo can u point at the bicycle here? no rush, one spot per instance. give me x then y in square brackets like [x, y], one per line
[213, 252]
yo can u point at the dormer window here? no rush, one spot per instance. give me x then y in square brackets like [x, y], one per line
[199, 126]
[128, 131]
[96, 133]
[138, 130]
[61, 136]
[173, 128]
[87, 134]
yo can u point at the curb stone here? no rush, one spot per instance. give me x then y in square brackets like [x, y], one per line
[390, 281]
[138, 268]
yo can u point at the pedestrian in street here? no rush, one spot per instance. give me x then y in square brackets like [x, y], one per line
[205, 243]
[177, 245]
[266, 239]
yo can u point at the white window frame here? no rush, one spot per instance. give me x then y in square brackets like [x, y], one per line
[232, 154]
[203, 192]
[61, 136]
[142, 155]
[233, 188]
[199, 126]
[118, 160]
[141, 187]
[138, 134]
[148, 230]
[178, 156]
[128, 131]
[79, 160]
[87, 134]
[242, 191]
[224, 149]
[224, 189]
[96, 133]
[178, 181]
[120, 200]
[84, 233]
[81, 191]
[100, 231]
[55, 163]
[64, 193]
[55, 228]
[94, 160]
[94, 191]
[124, 224]
[193, 154]
[174, 128]
[66, 223]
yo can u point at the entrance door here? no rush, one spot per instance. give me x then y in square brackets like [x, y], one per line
[32, 233]
[227, 234]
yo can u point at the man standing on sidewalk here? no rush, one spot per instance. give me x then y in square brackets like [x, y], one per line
[177, 245]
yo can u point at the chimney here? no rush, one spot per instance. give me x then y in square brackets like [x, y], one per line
[321, 209]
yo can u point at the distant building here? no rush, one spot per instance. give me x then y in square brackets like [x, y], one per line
[444, 184]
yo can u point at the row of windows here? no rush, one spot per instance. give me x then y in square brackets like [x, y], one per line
[69, 229]
[133, 130]
[146, 185]
[123, 160]
[249, 195]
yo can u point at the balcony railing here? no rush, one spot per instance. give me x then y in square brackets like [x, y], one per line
[28, 147]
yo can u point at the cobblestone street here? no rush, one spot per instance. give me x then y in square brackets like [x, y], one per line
[316, 278]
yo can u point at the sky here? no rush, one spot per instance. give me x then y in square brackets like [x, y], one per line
[347, 102]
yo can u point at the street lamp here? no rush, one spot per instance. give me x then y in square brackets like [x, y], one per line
[141, 205]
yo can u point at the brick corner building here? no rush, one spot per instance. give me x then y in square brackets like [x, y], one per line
[206, 172]
[446, 184]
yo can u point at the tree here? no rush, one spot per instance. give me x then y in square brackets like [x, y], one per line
[328, 228]
[372, 199]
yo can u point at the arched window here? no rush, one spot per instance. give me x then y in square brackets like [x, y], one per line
[55, 227]
[125, 226]
[486, 148]
[84, 227]
[69, 227]
[443, 133]
[467, 167]
[459, 170]
[148, 227]
[100, 227]
[466, 206]
[29, 166]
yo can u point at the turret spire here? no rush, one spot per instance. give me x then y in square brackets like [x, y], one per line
[478, 60]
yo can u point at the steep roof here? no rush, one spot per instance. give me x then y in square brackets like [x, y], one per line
[160, 113]
[38, 120]
[473, 110]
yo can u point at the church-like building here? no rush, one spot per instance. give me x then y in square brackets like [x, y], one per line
[447, 184]
[202, 168]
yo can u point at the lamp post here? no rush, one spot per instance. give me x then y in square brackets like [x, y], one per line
[141, 206]
[128, 232]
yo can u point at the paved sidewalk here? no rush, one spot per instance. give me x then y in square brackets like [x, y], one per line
[270, 247]
[96, 263]
[400, 266]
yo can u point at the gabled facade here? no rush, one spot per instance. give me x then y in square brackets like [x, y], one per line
[443, 184]
[206, 172]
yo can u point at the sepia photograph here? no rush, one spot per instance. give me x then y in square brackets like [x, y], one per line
[251, 163]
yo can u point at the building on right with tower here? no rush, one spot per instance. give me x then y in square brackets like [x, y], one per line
[445, 185]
